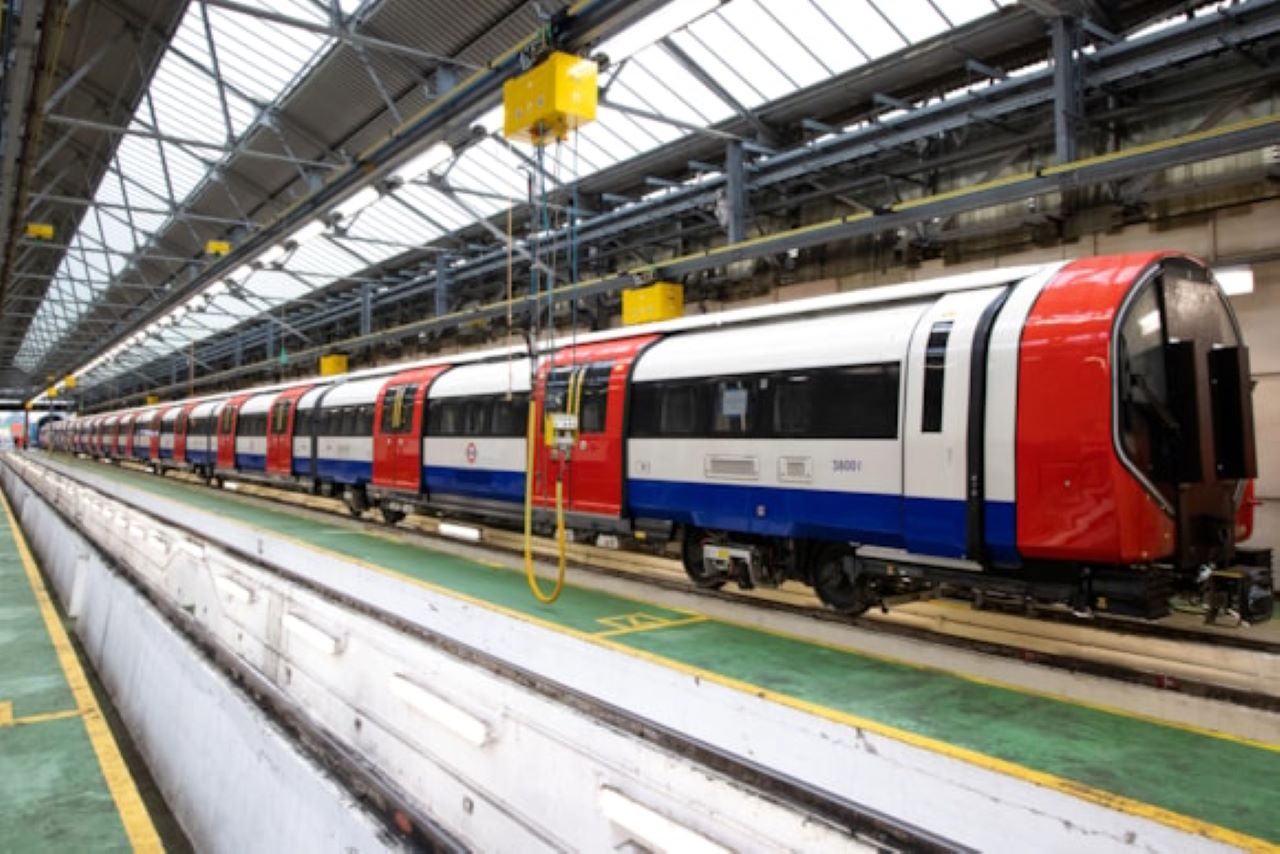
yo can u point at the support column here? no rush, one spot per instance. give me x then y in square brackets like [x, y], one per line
[442, 284]
[366, 308]
[735, 172]
[1067, 89]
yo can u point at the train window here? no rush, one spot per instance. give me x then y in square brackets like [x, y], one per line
[1144, 396]
[443, 417]
[228, 419]
[280, 417]
[302, 422]
[406, 408]
[935, 367]
[734, 412]
[793, 399]
[476, 417]
[855, 402]
[679, 410]
[594, 406]
[510, 416]
[392, 401]
[364, 420]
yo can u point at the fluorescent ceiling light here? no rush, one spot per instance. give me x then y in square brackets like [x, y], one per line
[1235, 280]
[651, 28]
[312, 229]
[272, 255]
[437, 155]
[239, 274]
[215, 289]
[361, 200]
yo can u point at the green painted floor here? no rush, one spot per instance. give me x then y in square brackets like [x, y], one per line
[53, 796]
[1215, 780]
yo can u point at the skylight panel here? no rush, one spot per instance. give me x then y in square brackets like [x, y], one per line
[828, 43]
[963, 11]
[917, 19]
[716, 32]
[771, 36]
[862, 23]
[736, 83]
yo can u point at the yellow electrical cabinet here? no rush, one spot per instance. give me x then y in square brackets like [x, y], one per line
[217, 248]
[659, 301]
[39, 231]
[153, 399]
[333, 364]
[554, 97]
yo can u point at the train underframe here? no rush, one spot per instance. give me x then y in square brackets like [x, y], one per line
[851, 578]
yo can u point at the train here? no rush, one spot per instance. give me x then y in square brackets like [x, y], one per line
[1078, 433]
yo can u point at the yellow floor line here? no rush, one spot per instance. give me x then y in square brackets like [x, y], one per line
[651, 627]
[44, 717]
[133, 812]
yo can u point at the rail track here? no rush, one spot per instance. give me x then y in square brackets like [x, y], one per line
[1212, 662]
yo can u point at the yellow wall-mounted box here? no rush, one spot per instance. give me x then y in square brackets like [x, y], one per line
[659, 301]
[153, 399]
[554, 97]
[39, 231]
[217, 247]
[333, 364]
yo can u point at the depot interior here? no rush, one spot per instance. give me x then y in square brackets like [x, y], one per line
[198, 198]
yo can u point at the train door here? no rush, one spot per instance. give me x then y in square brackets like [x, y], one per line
[157, 424]
[591, 384]
[180, 427]
[936, 460]
[226, 432]
[280, 429]
[398, 423]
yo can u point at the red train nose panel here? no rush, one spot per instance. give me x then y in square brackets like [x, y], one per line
[1076, 501]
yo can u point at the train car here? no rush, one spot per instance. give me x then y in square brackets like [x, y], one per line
[474, 450]
[199, 440]
[251, 434]
[1077, 432]
[341, 432]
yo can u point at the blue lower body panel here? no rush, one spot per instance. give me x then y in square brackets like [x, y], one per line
[251, 462]
[200, 458]
[767, 511]
[345, 471]
[486, 484]
[923, 525]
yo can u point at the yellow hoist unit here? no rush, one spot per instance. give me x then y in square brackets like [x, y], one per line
[69, 382]
[659, 301]
[153, 399]
[39, 231]
[333, 364]
[554, 97]
[217, 248]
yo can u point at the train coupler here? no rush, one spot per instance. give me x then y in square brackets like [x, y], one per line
[1245, 591]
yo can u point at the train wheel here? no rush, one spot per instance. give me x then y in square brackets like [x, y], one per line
[390, 516]
[848, 594]
[696, 568]
[355, 500]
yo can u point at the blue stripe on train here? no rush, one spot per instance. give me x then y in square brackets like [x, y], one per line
[251, 462]
[345, 471]
[922, 525]
[489, 484]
